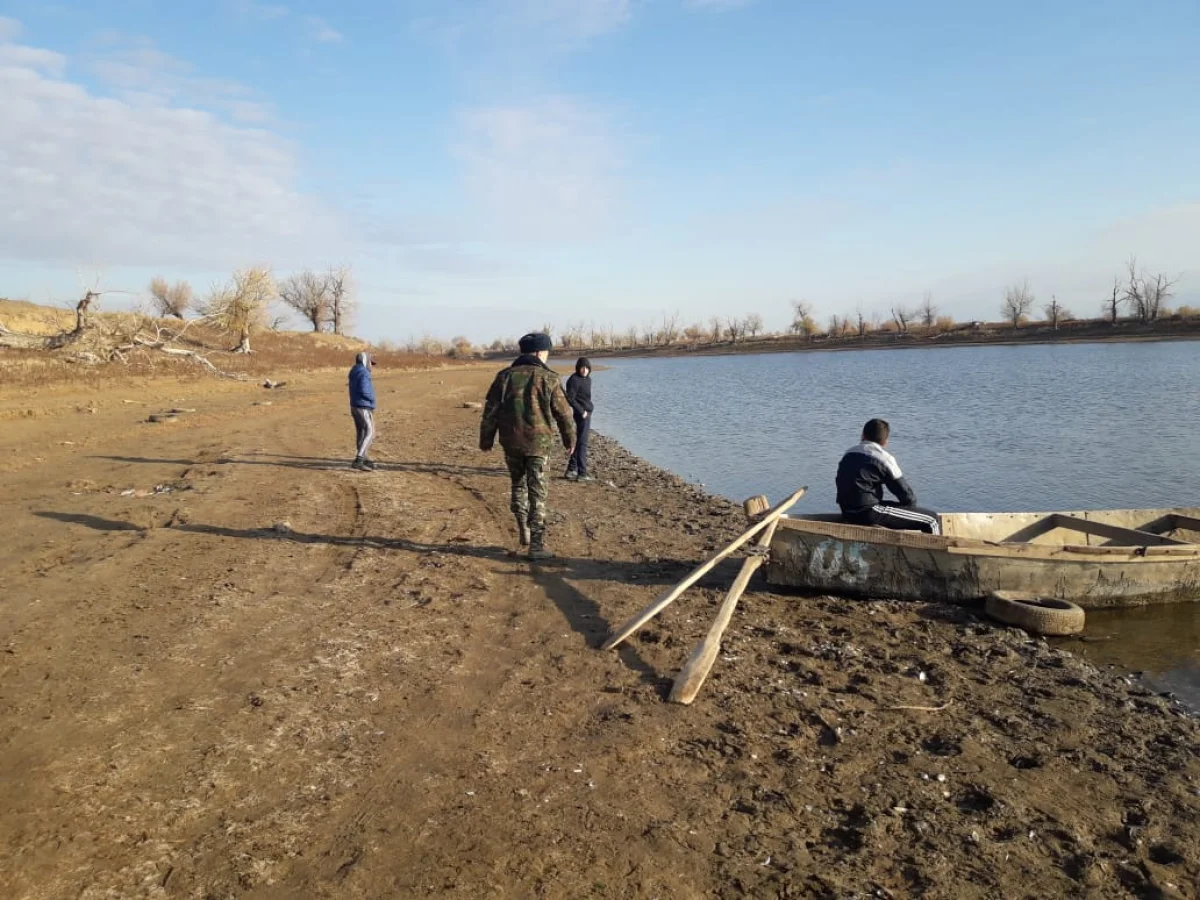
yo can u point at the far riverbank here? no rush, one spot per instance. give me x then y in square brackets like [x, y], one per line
[965, 335]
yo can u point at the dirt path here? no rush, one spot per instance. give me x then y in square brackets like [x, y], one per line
[276, 677]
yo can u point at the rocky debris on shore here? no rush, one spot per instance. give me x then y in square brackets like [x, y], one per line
[858, 748]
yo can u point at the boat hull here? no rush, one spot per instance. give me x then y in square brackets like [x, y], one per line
[872, 562]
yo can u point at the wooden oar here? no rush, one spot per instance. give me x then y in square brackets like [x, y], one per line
[699, 572]
[691, 677]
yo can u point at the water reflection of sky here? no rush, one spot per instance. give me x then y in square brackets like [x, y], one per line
[1033, 427]
[1079, 426]
[1162, 640]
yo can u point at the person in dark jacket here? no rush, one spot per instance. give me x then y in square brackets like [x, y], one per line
[865, 470]
[579, 395]
[525, 406]
[362, 409]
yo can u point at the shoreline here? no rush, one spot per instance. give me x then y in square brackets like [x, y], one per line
[791, 345]
[369, 696]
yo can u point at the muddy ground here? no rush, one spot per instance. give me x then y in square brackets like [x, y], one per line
[232, 667]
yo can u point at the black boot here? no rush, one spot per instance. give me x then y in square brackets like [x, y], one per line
[537, 546]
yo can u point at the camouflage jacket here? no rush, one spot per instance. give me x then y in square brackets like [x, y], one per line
[523, 404]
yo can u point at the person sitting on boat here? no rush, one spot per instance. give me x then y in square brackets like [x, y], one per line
[865, 470]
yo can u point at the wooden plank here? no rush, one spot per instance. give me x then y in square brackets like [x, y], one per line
[691, 678]
[699, 572]
[1187, 523]
[1114, 532]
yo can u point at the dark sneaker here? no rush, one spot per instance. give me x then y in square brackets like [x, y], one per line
[368, 465]
[357, 464]
[571, 476]
[585, 478]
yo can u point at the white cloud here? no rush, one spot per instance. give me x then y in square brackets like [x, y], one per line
[10, 29]
[313, 28]
[548, 170]
[502, 35]
[135, 180]
[575, 20]
[17, 57]
[141, 75]
[321, 31]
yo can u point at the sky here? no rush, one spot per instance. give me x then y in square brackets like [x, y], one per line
[487, 166]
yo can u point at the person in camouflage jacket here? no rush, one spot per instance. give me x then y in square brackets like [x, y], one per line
[524, 405]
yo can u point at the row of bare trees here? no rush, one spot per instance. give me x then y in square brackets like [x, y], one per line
[1142, 295]
[241, 305]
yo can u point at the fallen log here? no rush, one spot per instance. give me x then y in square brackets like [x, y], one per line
[14, 340]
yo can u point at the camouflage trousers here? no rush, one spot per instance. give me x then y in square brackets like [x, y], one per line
[529, 490]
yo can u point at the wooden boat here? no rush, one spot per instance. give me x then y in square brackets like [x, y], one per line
[1095, 558]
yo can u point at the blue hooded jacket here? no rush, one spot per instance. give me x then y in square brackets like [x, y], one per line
[362, 391]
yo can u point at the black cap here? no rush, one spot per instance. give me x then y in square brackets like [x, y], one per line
[535, 342]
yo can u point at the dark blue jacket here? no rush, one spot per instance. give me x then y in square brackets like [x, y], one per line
[864, 472]
[362, 391]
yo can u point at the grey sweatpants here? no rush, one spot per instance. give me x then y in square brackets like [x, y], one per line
[364, 427]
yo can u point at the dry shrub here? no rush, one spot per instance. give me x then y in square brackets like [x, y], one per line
[170, 299]
[277, 354]
[239, 307]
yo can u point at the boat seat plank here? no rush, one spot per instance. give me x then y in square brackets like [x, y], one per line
[1187, 523]
[1127, 536]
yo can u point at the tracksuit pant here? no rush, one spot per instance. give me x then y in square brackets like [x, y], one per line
[364, 428]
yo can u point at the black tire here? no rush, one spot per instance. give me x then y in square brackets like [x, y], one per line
[1041, 615]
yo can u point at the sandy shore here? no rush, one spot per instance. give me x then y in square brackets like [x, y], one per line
[232, 667]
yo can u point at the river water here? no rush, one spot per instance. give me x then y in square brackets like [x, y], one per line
[1020, 428]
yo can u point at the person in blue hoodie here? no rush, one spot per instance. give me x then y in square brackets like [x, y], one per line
[362, 408]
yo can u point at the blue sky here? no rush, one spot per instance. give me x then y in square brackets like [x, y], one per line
[488, 166]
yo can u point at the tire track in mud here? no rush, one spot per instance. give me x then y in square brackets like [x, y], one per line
[413, 768]
[152, 687]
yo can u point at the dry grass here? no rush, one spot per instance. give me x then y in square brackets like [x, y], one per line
[276, 354]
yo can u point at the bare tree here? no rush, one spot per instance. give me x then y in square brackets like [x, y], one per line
[1112, 306]
[802, 318]
[670, 328]
[1156, 291]
[754, 324]
[1018, 300]
[342, 303]
[1053, 311]
[240, 306]
[928, 310]
[695, 333]
[716, 328]
[631, 336]
[308, 294]
[1146, 295]
[430, 346]
[170, 299]
[902, 315]
[460, 347]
